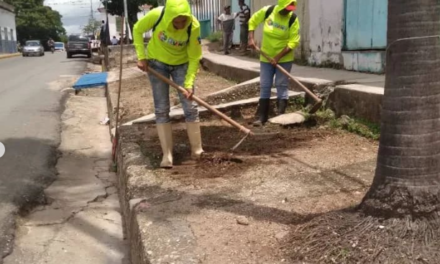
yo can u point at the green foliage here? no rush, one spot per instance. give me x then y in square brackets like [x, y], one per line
[92, 27]
[363, 128]
[215, 36]
[298, 101]
[64, 38]
[325, 115]
[36, 21]
[358, 126]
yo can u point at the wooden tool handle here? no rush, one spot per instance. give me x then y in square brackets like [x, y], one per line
[201, 102]
[316, 98]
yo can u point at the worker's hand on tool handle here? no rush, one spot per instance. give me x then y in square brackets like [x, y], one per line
[189, 93]
[143, 65]
[275, 60]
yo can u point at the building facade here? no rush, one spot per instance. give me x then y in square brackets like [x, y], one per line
[350, 34]
[8, 31]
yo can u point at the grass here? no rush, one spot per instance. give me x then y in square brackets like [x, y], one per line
[364, 128]
[215, 37]
[358, 126]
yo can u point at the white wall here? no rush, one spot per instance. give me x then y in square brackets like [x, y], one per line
[7, 19]
[325, 31]
[111, 24]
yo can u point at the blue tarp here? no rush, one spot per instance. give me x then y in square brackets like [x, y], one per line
[91, 80]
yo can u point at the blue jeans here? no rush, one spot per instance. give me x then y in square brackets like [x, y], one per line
[267, 72]
[161, 92]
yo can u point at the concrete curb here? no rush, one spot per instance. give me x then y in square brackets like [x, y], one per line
[357, 100]
[177, 114]
[7, 56]
[154, 237]
[230, 72]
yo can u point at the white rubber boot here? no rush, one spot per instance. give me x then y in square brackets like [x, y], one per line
[166, 142]
[195, 139]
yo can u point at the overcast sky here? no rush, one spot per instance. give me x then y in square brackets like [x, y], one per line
[76, 13]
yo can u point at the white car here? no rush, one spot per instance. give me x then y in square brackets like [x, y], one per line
[33, 47]
[59, 46]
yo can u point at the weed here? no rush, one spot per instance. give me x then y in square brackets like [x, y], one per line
[358, 126]
[364, 128]
[113, 167]
[215, 36]
[298, 101]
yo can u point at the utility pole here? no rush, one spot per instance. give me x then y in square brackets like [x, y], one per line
[127, 25]
[91, 10]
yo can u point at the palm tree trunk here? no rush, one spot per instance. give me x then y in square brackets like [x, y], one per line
[407, 180]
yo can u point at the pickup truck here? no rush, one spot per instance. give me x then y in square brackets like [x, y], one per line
[78, 45]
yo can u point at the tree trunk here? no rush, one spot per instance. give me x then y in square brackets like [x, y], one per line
[407, 180]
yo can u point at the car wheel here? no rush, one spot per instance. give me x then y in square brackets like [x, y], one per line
[24, 55]
[42, 54]
[89, 55]
[69, 56]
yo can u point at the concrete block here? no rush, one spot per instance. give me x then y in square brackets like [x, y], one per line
[231, 72]
[288, 119]
[364, 61]
[177, 114]
[358, 101]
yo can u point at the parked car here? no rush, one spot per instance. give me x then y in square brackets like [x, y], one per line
[59, 46]
[94, 42]
[78, 45]
[33, 47]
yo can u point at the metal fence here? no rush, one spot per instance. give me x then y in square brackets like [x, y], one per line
[7, 42]
[207, 10]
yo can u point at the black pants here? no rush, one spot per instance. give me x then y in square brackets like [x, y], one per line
[244, 36]
[227, 40]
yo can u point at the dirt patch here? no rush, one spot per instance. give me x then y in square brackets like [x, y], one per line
[242, 205]
[137, 96]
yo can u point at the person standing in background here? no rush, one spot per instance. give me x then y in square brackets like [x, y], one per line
[102, 33]
[245, 15]
[228, 25]
[115, 41]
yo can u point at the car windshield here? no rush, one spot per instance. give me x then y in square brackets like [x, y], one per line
[33, 44]
[79, 38]
[59, 45]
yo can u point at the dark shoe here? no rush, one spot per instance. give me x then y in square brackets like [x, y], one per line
[282, 106]
[263, 112]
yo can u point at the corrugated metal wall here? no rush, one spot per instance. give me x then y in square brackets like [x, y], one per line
[207, 10]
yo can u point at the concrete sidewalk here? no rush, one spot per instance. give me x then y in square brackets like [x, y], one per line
[81, 223]
[302, 72]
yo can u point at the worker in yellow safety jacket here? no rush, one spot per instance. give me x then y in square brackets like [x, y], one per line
[174, 51]
[280, 38]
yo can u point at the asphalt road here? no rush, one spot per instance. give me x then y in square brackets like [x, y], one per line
[30, 109]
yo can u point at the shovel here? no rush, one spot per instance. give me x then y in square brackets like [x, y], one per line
[318, 101]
